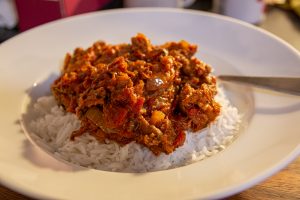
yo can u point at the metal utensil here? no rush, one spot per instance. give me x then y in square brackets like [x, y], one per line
[290, 85]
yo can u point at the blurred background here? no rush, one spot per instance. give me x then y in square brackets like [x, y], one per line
[281, 17]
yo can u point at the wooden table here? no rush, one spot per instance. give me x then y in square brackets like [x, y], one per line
[285, 184]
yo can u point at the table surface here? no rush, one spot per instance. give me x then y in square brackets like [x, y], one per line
[283, 185]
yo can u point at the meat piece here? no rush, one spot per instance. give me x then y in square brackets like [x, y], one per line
[199, 105]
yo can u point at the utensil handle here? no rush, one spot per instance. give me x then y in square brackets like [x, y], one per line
[289, 85]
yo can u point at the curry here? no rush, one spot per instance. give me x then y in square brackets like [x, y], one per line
[150, 94]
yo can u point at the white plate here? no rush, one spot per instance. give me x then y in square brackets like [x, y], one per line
[269, 143]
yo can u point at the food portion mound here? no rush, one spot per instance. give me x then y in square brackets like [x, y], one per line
[138, 92]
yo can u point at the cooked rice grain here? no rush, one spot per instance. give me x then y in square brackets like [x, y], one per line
[52, 128]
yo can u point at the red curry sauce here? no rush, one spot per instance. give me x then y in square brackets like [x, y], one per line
[138, 92]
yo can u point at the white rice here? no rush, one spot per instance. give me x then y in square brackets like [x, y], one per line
[52, 127]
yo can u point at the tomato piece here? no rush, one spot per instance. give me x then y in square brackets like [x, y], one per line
[179, 139]
[138, 105]
[119, 117]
